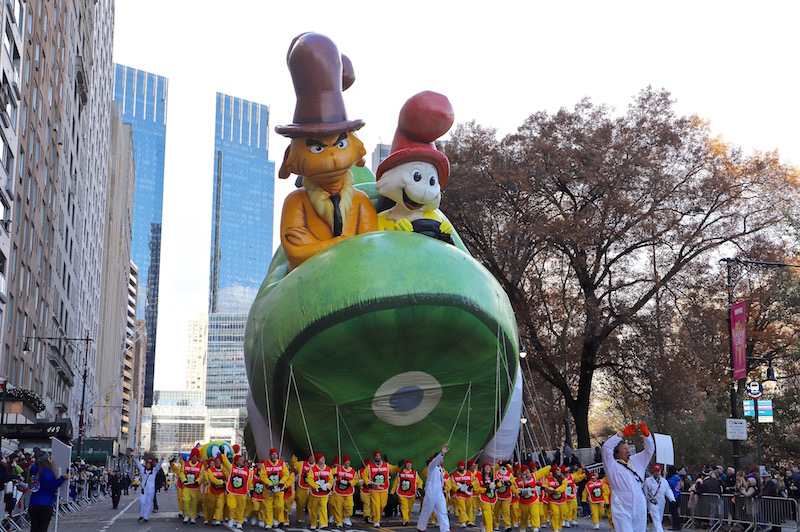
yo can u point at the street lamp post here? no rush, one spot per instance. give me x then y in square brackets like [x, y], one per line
[729, 285]
[87, 340]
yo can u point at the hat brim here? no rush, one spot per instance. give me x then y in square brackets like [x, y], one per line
[426, 154]
[320, 129]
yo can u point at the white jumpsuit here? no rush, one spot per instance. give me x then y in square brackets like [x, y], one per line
[628, 504]
[434, 497]
[658, 491]
[148, 489]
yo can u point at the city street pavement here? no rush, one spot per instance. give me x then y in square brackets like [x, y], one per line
[101, 517]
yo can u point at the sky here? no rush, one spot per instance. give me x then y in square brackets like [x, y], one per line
[733, 63]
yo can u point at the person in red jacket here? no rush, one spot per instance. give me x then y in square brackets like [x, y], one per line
[377, 478]
[485, 485]
[407, 485]
[461, 483]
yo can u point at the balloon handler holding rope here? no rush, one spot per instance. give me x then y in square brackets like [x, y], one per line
[361, 338]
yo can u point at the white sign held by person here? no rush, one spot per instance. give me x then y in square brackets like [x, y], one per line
[61, 454]
[665, 452]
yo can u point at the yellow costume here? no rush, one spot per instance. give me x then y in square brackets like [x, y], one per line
[302, 469]
[344, 481]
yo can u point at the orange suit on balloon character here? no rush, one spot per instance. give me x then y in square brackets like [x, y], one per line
[328, 208]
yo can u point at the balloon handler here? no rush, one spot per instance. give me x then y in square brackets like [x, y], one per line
[625, 475]
[435, 500]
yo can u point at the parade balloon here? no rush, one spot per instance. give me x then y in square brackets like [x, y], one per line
[388, 340]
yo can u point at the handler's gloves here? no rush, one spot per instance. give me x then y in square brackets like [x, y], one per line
[643, 430]
[630, 429]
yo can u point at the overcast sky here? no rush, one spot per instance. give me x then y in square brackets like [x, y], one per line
[733, 63]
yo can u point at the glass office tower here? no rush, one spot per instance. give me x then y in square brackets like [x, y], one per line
[241, 241]
[143, 101]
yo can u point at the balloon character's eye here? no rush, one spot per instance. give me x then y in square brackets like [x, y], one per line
[316, 149]
[342, 144]
[417, 175]
[433, 180]
[213, 451]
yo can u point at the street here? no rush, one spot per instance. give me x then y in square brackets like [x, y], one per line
[101, 517]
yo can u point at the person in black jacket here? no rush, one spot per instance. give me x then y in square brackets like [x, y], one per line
[115, 485]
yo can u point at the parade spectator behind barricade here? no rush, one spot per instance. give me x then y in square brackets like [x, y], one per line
[769, 487]
[543, 459]
[748, 491]
[567, 454]
[730, 481]
[598, 455]
[686, 482]
[8, 476]
[712, 486]
[674, 481]
[791, 481]
[44, 483]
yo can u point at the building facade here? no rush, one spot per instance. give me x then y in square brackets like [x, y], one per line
[241, 250]
[196, 355]
[58, 211]
[379, 154]
[117, 324]
[143, 100]
[178, 421]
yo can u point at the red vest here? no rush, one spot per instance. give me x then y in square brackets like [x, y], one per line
[407, 485]
[503, 490]
[525, 485]
[344, 479]
[259, 486]
[364, 488]
[571, 490]
[274, 472]
[219, 475]
[379, 476]
[301, 480]
[325, 474]
[555, 497]
[490, 496]
[463, 478]
[192, 474]
[595, 490]
[237, 481]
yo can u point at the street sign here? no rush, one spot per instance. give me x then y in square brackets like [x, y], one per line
[765, 411]
[754, 389]
[736, 429]
[749, 408]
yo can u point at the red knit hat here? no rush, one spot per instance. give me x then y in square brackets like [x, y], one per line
[318, 456]
[462, 464]
[423, 118]
[346, 458]
[376, 453]
[194, 452]
[273, 451]
[525, 468]
[470, 463]
[656, 467]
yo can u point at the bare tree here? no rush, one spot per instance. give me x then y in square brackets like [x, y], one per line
[585, 218]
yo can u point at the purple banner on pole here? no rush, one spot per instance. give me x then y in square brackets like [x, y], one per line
[738, 326]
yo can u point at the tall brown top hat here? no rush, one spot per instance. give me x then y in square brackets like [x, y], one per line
[320, 74]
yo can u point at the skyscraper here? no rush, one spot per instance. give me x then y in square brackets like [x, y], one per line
[143, 100]
[241, 245]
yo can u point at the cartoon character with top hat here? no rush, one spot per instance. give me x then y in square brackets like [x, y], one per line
[328, 208]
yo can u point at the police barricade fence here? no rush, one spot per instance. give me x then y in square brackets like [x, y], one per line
[762, 512]
[704, 508]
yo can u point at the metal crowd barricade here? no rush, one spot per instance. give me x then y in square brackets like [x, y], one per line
[751, 514]
[703, 508]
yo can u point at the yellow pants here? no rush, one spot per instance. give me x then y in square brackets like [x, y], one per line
[378, 502]
[487, 510]
[556, 517]
[258, 507]
[236, 506]
[529, 516]
[461, 510]
[515, 513]
[180, 500]
[302, 503]
[472, 504]
[342, 507]
[213, 505]
[406, 505]
[610, 520]
[597, 511]
[191, 500]
[273, 504]
[502, 508]
[317, 511]
[571, 510]
[366, 503]
[287, 508]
